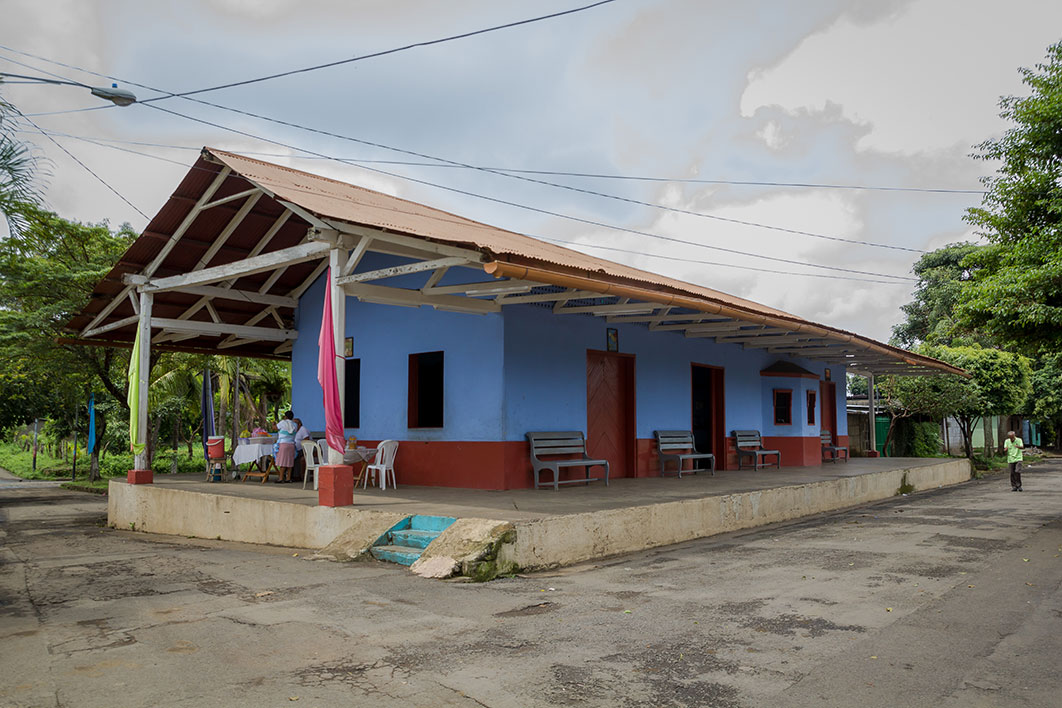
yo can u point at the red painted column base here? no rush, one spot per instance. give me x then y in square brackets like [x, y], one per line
[872, 453]
[140, 477]
[335, 485]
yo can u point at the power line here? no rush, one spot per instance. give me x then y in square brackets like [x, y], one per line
[543, 238]
[538, 210]
[385, 52]
[374, 55]
[524, 178]
[557, 173]
[506, 202]
[86, 167]
[514, 173]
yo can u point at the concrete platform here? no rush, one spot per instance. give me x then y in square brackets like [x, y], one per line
[551, 528]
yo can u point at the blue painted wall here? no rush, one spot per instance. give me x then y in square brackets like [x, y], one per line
[545, 375]
[525, 369]
[384, 337]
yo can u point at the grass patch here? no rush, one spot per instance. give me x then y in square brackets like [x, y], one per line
[97, 487]
[20, 462]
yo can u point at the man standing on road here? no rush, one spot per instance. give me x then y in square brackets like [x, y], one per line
[1013, 445]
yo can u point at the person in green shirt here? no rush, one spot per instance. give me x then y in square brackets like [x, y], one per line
[1013, 447]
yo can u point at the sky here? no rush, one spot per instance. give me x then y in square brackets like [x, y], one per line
[882, 93]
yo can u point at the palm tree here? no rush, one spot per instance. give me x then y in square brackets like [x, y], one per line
[19, 194]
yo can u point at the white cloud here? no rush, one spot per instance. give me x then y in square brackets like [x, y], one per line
[925, 78]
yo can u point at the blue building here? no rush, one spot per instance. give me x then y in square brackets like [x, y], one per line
[457, 338]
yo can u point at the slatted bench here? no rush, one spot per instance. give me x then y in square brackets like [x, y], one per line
[749, 444]
[670, 442]
[562, 443]
[831, 452]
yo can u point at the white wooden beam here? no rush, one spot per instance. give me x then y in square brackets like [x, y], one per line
[134, 301]
[414, 298]
[434, 278]
[223, 237]
[412, 242]
[405, 269]
[221, 293]
[546, 297]
[356, 255]
[618, 308]
[223, 328]
[486, 287]
[703, 326]
[124, 322]
[166, 248]
[230, 198]
[238, 269]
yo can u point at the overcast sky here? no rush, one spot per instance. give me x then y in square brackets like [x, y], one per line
[878, 92]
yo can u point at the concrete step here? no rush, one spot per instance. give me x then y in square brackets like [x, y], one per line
[396, 554]
[412, 538]
[430, 523]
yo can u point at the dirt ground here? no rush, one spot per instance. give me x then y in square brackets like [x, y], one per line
[943, 598]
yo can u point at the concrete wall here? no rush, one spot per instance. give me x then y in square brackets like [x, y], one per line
[157, 509]
[564, 540]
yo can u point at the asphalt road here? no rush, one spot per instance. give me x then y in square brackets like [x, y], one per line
[945, 598]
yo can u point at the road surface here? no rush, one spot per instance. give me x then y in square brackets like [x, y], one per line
[944, 598]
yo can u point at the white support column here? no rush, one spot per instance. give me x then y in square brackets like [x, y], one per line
[146, 299]
[337, 259]
[873, 418]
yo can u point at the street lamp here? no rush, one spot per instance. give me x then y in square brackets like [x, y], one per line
[117, 96]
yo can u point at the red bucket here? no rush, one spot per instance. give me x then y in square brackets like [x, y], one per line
[216, 447]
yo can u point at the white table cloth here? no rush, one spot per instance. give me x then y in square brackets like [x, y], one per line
[248, 452]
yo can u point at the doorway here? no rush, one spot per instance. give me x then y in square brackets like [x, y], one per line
[708, 417]
[610, 411]
[828, 408]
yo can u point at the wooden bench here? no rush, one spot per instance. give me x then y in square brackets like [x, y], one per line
[831, 452]
[669, 442]
[562, 443]
[749, 444]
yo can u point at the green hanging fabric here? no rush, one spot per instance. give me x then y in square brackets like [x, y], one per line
[133, 397]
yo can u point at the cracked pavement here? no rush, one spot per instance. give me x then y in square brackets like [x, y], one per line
[943, 598]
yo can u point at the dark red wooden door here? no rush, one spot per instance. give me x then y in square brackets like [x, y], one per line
[610, 411]
[828, 408]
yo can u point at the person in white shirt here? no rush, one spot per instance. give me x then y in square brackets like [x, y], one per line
[286, 447]
[301, 433]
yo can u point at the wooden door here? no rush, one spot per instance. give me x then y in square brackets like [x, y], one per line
[828, 408]
[707, 414]
[610, 411]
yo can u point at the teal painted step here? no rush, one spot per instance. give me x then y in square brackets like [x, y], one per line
[396, 554]
[413, 538]
[405, 541]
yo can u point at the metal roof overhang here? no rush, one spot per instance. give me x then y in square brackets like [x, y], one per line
[240, 240]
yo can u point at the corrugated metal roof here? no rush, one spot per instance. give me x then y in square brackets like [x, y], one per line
[330, 199]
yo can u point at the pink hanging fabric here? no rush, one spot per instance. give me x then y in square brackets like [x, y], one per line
[326, 373]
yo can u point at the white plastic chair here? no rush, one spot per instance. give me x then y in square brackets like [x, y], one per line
[384, 463]
[312, 453]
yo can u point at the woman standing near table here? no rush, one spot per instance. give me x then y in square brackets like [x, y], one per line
[286, 447]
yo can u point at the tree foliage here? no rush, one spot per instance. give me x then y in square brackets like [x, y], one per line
[930, 317]
[19, 172]
[1015, 293]
[999, 384]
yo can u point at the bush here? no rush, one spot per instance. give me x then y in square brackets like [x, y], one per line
[915, 439]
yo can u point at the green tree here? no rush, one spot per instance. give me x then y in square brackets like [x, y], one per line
[19, 196]
[47, 273]
[1046, 399]
[931, 396]
[930, 317]
[1015, 293]
[999, 384]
